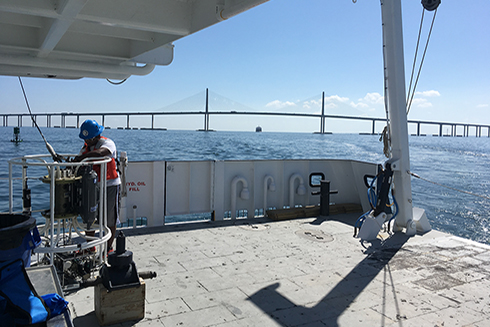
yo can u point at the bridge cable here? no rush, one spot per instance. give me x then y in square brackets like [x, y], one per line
[448, 187]
[412, 92]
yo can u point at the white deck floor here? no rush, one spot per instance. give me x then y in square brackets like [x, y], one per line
[303, 272]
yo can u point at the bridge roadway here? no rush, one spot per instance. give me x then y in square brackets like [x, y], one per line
[467, 128]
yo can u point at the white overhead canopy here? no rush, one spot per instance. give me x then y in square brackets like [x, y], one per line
[101, 38]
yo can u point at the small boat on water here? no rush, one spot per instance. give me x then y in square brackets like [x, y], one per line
[277, 247]
[258, 129]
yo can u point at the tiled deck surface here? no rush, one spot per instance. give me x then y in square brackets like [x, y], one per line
[303, 272]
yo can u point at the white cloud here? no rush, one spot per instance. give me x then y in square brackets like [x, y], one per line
[373, 98]
[431, 93]
[421, 103]
[312, 104]
[483, 105]
[359, 105]
[337, 98]
[276, 104]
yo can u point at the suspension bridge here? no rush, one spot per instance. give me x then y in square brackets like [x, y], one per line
[46, 119]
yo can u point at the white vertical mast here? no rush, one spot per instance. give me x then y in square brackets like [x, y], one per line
[396, 100]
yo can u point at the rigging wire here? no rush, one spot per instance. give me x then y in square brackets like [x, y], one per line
[385, 135]
[448, 187]
[415, 56]
[56, 157]
[409, 104]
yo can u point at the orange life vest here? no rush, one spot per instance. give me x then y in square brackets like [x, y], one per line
[111, 165]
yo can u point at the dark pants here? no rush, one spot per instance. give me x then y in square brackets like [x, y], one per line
[113, 202]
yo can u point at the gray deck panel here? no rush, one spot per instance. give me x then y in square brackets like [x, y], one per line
[265, 273]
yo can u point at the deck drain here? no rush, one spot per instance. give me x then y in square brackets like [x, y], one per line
[255, 227]
[315, 235]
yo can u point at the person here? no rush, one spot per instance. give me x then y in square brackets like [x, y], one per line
[97, 146]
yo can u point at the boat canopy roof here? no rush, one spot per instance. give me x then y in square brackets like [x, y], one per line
[113, 39]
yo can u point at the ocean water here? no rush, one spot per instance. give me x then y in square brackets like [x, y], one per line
[456, 162]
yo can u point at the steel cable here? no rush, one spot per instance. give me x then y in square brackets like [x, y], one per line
[449, 187]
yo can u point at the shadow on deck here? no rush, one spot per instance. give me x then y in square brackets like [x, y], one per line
[287, 313]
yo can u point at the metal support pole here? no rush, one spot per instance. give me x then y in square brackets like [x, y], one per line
[11, 190]
[52, 197]
[395, 74]
[325, 198]
[206, 114]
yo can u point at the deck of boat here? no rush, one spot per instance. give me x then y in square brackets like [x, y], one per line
[303, 272]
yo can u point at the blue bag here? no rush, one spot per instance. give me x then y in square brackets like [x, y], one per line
[19, 302]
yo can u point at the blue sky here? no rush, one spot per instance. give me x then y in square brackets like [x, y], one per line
[281, 56]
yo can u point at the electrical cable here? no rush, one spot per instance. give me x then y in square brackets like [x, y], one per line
[56, 157]
[116, 83]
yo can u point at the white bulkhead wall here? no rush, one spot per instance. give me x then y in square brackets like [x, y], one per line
[160, 188]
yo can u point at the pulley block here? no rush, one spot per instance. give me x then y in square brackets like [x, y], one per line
[431, 5]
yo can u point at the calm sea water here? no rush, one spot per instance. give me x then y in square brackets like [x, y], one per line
[461, 163]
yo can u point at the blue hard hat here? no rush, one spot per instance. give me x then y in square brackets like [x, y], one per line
[90, 129]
